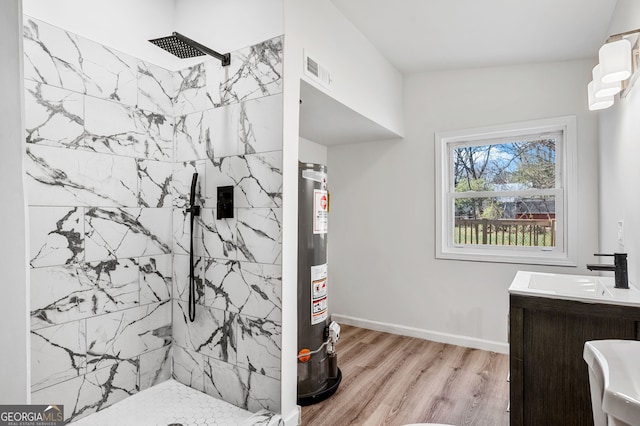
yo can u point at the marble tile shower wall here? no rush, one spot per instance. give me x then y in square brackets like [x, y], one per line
[228, 129]
[112, 143]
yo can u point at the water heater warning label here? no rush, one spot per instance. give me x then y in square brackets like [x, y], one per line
[320, 211]
[319, 310]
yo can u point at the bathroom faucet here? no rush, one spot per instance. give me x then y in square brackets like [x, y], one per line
[619, 267]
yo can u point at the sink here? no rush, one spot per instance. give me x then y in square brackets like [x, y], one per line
[617, 373]
[582, 288]
[570, 285]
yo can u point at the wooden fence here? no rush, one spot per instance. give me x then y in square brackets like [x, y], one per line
[518, 232]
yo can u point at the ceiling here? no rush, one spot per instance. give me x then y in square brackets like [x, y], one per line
[419, 35]
[427, 35]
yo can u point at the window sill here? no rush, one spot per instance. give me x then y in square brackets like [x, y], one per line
[538, 257]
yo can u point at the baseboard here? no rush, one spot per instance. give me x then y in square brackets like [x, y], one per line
[453, 339]
[293, 418]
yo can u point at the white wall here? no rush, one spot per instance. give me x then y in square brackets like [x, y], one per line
[227, 25]
[384, 269]
[125, 25]
[312, 152]
[363, 79]
[14, 303]
[290, 146]
[619, 151]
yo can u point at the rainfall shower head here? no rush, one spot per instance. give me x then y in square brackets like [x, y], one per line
[183, 47]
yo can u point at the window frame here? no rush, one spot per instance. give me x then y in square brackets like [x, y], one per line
[565, 251]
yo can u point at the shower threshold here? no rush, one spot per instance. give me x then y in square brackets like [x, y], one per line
[171, 404]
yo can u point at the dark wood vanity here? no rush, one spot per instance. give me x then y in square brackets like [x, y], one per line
[549, 378]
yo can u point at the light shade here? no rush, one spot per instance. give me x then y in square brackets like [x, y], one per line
[597, 103]
[603, 90]
[615, 61]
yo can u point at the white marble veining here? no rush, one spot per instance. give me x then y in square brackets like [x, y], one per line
[58, 353]
[115, 128]
[65, 293]
[76, 291]
[248, 127]
[154, 183]
[226, 381]
[255, 71]
[259, 236]
[181, 182]
[156, 278]
[155, 367]
[63, 59]
[259, 345]
[115, 282]
[87, 394]
[51, 56]
[182, 232]
[213, 333]
[156, 89]
[188, 368]
[192, 136]
[116, 233]
[248, 288]
[59, 294]
[225, 127]
[61, 177]
[181, 273]
[53, 116]
[244, 388]
[191, 90]
[260, 128]
[215, 73]
[257, 179]
[56, 235]
[123, 335]
[109, 74]
[218, 235]
[264, 392]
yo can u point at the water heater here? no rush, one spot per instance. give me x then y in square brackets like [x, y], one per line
[318, 372]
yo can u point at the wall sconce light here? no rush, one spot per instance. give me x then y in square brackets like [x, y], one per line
[619, 61]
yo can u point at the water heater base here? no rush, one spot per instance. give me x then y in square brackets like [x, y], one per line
[332, 387]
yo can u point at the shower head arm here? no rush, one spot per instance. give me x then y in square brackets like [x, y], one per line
[224, 58]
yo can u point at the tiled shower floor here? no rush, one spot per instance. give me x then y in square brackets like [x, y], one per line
[172, 403]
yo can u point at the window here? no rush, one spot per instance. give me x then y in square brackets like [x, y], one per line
[507, 193]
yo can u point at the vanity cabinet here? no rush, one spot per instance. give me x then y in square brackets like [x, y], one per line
[549, 378]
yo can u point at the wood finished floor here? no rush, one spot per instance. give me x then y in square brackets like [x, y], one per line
[396, 380]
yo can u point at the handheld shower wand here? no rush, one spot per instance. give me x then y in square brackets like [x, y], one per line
[194, 211]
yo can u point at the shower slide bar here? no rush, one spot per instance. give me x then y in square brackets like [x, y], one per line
[193, 211]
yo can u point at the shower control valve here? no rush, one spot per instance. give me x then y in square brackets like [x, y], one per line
[194, 209]
[334, 332]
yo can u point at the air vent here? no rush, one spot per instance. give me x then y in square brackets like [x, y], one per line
[316, 71]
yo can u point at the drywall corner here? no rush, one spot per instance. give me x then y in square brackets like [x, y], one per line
[14, 303]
